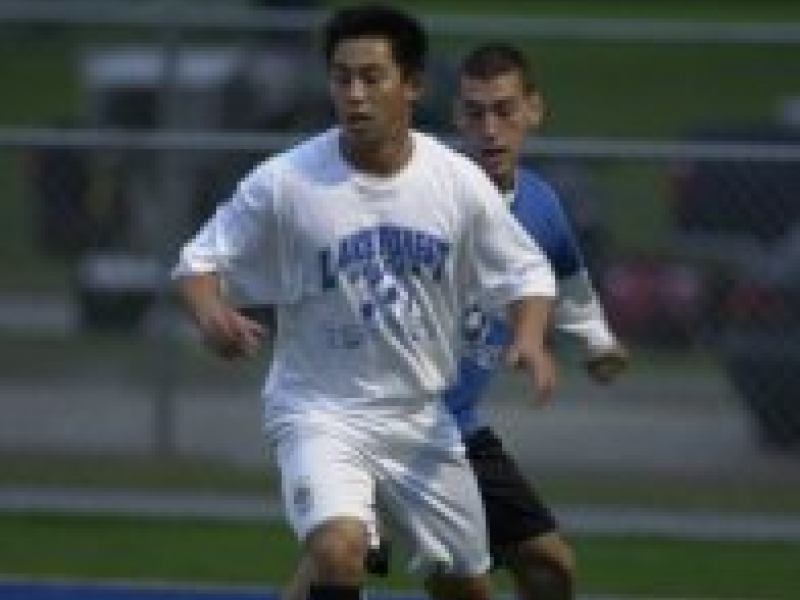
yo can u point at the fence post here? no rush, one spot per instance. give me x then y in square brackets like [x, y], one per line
[172, 206]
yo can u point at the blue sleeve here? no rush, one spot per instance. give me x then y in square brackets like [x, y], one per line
[539, 210]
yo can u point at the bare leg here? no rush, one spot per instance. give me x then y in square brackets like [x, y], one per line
[297, 588]
[336, 550]
[542, 568]
[451, 587]
[333, 565]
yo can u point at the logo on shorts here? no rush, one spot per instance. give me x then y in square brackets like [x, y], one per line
[301, 498]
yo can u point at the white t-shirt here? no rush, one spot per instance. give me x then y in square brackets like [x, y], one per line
[368, 274]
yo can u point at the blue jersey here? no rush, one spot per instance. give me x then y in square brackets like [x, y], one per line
[537, 207]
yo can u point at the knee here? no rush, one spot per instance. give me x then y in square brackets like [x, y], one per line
[545, 571]
[559, 554]
[337, 549]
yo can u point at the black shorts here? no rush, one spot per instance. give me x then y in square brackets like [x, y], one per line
[514, 511]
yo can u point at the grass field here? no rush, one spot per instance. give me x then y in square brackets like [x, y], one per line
[186, 474]
[263, 553]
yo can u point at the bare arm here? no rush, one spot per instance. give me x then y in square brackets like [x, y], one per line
[227, 332]
[529, 318]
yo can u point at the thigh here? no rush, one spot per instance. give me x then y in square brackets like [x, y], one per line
[549, 548]
[435, 504]
[323, 477]
[514, 511]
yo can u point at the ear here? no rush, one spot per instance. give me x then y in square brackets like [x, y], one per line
[415, 87]
[457, 112]
[535, 109]
[457, 116]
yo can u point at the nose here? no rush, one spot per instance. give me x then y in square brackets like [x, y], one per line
[355, 90]
[488, 124]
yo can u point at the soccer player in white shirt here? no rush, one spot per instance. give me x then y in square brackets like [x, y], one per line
[368, 239]
[497, 106]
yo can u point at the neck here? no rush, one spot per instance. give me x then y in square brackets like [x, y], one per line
[504, 183]
[380, 158]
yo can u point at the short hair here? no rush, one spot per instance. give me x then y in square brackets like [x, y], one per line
[405, 34]
[497, 58]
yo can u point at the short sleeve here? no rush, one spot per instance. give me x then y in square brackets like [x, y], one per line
[506, 263]
[246, 244]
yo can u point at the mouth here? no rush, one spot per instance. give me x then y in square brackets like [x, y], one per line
[493, 153]
[358, 120]
[493, 157]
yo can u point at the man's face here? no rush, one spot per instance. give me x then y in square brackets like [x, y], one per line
[493, 116]
[372, 95]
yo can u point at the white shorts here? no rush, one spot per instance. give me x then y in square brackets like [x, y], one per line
[410, 462]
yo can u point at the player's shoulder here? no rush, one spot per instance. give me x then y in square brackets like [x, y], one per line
[305, 159]
[534, 190]
[439, 155]
[307, 154]
[531, 183]
[455, 171]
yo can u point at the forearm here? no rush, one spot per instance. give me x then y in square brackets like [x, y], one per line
[529, 317]
[229, 333]
[199, 292]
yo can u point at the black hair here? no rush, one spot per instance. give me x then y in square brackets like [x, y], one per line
[497, 58]
[405, 34]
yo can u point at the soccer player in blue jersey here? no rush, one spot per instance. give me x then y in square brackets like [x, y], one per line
[497, 106]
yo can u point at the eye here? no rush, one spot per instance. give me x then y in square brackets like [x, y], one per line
[340, 76]
[473, 111]
[505, 109]
[373, 76]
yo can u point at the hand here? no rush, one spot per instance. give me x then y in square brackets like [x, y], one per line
[229, 333]
[605, 366]
[539, 364]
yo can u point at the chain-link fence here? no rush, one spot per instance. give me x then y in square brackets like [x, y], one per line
[129, 128]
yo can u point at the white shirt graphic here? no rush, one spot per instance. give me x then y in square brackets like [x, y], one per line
[369, 275]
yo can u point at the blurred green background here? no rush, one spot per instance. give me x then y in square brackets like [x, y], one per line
[593, 88]
[643, 90]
